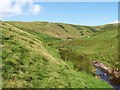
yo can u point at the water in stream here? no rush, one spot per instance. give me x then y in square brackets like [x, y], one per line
[106, 77]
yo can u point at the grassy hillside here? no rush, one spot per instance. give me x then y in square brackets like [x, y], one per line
[101, 46]
[35, 56]
[58, 30]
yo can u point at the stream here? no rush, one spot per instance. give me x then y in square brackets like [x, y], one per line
[106, 77]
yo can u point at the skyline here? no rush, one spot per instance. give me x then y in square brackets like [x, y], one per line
[81, 13]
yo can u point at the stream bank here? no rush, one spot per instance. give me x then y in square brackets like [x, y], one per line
[110, 75]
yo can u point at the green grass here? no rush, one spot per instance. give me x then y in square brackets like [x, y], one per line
[33, 59]
[58, 30]
[101, 46]
[44, 38]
